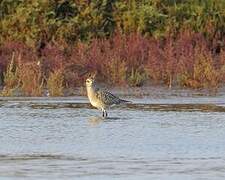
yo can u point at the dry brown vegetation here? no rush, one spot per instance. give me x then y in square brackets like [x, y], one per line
[54, 45]
[187, 60]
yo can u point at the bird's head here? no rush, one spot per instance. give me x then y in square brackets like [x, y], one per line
[90, 81]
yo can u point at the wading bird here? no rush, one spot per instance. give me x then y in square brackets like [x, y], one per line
[101, 99]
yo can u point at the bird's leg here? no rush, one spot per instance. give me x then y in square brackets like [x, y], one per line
[104, 113]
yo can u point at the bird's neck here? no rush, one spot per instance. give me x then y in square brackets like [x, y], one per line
[91, 91]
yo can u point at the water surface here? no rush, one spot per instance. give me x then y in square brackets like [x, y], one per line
[153, 138]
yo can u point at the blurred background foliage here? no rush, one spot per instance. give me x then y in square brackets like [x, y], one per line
[55, 44]
[72, 20]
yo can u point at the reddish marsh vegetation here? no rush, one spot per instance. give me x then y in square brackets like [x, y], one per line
[177, 43]
[187, 60]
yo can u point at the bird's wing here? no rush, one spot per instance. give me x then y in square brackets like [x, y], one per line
[107, 97]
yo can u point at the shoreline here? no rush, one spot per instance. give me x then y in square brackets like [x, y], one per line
[156, 91]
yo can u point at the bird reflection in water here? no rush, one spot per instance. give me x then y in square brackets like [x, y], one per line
[94, 121]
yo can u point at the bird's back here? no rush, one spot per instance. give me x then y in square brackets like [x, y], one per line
[108, 98]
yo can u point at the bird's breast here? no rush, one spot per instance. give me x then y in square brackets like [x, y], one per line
[93, 98]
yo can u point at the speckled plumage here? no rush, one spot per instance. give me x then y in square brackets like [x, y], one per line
[101, 99]
[108, 98]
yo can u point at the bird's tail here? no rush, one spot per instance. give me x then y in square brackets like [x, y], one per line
[124, 101]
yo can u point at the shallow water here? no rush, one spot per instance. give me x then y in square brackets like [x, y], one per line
[153, 138]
